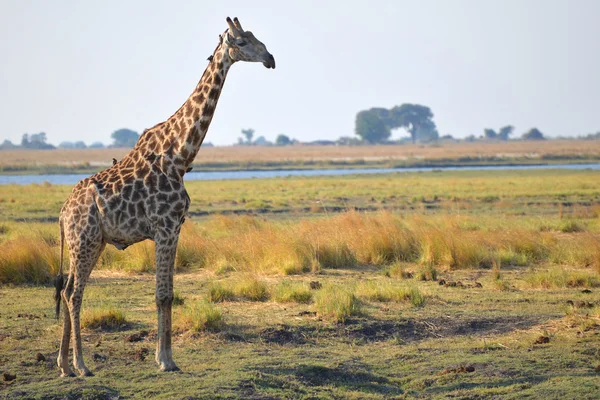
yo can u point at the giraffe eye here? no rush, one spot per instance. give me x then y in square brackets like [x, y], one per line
[241, 43]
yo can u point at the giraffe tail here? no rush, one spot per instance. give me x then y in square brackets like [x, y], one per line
[59, 280]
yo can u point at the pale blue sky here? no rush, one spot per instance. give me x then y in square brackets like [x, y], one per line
[79, 70]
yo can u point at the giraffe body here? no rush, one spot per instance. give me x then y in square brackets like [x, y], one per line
[143, 197]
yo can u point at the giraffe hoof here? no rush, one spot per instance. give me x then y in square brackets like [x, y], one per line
[86, 372]
[67, 375]
[169, 368]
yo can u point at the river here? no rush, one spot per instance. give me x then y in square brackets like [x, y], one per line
[71, 179]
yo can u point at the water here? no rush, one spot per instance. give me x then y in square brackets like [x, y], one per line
[71, 179]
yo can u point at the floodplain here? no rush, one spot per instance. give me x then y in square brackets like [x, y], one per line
[462, 284]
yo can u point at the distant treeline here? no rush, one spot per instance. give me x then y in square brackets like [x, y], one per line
[373, 126]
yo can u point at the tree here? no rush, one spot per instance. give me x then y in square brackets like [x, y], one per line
[282, 140]
[249, 134]
[7, 145]
[417, 119]
[370, 127]
[505, 132]
[80, 145]
[96, 145]
[490, 133]
[35, 141]
[66, 145]
[533, 134]
[124, 138]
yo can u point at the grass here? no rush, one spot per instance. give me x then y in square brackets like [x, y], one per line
[27, 260]
[530, 193]
[557, 277]
[388, 292]
[383, 239]
[289, 291]
[217, 293]
[336, 303]
[108, 318]
[199, 316]
[253, 323]
[272, 349]
[252, 289]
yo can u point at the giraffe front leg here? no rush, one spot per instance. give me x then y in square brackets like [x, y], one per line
[165, 265]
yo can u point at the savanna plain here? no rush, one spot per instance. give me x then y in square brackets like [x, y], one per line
[462, 284]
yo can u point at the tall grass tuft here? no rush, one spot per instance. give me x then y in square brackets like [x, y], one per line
[252, 289]
[28, 260]
[336, 303]
[105, 318]
[200, 316]
[218, 292]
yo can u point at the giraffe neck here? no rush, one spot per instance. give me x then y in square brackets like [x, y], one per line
[178, 139]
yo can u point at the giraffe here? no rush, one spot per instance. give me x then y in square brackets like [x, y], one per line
[141, 197]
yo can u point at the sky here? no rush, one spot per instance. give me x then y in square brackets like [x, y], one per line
[79, 70]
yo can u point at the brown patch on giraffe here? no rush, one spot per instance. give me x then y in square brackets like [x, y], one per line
[199, 98]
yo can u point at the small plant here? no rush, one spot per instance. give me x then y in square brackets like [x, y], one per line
[200, 316]
[287, 292]
[105, 318]
[336, 303]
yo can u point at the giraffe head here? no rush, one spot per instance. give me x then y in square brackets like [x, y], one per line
[244, 46]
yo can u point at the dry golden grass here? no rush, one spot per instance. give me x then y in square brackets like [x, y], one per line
[256, 246]
[28, 260]
[249, 154]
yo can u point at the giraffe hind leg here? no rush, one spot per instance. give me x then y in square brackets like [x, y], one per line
[63, 353]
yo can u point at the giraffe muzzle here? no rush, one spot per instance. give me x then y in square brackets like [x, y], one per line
[269, 61]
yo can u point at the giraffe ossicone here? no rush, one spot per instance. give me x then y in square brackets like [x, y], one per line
[143, 197]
